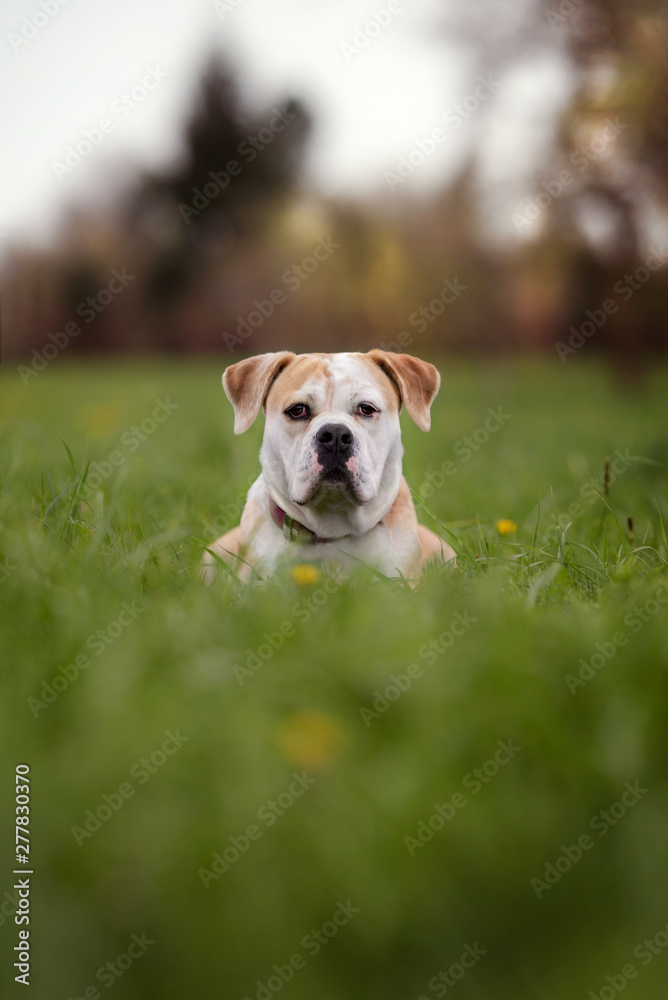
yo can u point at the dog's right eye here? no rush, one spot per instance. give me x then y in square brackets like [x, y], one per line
[297, 412]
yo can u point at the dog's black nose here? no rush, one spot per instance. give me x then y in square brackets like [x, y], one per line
[335, 440]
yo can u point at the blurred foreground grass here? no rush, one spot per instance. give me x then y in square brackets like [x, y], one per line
[410, 832]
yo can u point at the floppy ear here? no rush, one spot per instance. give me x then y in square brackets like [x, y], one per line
[248, 382]
[416, 381]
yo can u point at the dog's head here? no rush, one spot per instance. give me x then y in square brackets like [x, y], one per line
[332, 436]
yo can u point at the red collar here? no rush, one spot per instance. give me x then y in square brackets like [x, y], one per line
[292, 530]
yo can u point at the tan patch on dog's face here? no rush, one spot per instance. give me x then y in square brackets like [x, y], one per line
[303, 380]
[388, 388]
[304, 377]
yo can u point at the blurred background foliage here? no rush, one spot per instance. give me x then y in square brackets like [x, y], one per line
[198, 273]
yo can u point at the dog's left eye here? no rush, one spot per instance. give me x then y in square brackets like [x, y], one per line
[298, 411]
[366, 410]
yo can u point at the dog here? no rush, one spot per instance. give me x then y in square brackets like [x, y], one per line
[331, 487]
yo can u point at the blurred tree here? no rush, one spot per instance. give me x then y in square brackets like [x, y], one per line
[234, 171]
[242, 163]
[618, 53]
[613, 142]
[600, 192]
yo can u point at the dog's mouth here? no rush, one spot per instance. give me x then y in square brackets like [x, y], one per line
[334, 486]
[337, 475]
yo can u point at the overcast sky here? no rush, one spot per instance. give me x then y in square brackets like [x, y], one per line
[67, 66]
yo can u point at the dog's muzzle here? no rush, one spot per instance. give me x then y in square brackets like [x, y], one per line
[334, 445]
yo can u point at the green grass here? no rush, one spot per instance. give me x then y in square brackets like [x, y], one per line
[74, 549]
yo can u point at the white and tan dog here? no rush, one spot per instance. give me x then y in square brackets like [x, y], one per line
[331, 463]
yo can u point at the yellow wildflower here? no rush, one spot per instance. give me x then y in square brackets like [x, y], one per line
[505, 527]
[309, 739]
[305, 574]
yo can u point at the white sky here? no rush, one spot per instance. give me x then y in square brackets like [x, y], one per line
[369, 111]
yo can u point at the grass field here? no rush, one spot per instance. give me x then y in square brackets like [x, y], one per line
[349, 791]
